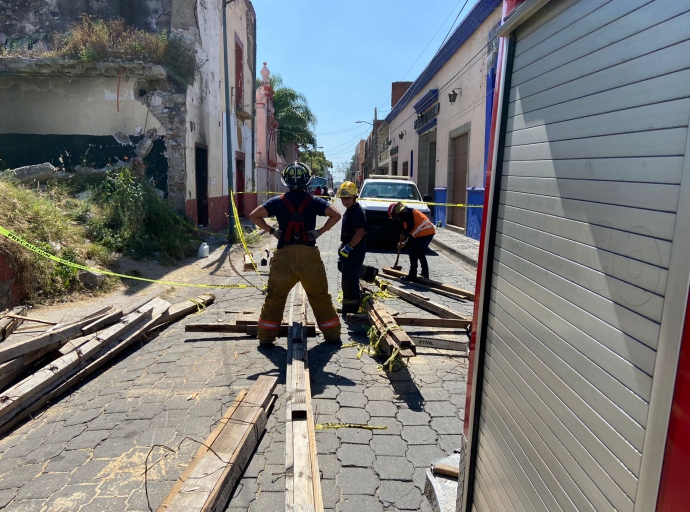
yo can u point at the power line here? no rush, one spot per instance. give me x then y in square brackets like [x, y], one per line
[427, 44]
[451, 27]
[453, 78]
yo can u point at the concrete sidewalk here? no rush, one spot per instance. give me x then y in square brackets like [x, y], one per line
[456, 246]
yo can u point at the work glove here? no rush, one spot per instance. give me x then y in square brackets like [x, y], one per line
[276, 233]
[313, 234]
[345, 251]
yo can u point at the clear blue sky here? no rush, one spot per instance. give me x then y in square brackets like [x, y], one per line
[343, 56]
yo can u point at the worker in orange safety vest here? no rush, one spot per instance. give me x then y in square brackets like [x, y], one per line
[418, 231]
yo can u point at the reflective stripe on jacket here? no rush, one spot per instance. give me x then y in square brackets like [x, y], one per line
[422, 225]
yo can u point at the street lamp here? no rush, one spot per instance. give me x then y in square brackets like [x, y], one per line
[376, 145]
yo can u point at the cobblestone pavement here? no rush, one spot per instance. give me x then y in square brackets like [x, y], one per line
[457, 245]
[87, 452]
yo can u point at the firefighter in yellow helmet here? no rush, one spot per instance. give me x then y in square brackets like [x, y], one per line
[353, 247]
[416, 235]
[297, 258]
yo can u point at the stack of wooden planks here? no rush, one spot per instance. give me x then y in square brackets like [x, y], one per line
[10, 320]
[64, 355]
[302, 476]
[208, 481]
[431, 285]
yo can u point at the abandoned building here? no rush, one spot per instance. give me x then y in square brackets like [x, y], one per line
[81, 115]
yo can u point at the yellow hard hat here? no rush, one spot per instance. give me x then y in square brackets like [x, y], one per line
[347, 189]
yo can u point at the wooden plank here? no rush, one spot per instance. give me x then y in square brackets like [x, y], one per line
[644, 222]
[388, 343]
[439, 343]
[184, 308]
[29, 319]
[362, 319]
[661, 50]
[203, 450]
[431, 283]
[62, 385]
[104, 321]
[425, 303]
[10, 351]
[15, 396]
[313, 450]
[651, 196]
[8, 324]
[424, 288]
[250, 329]
[209, 480]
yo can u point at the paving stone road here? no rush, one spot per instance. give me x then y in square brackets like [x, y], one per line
[87, 452]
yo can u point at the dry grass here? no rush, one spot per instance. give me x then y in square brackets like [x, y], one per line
[94, 40]
[45, 219]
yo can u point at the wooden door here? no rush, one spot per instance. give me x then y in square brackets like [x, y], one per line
[457, 216]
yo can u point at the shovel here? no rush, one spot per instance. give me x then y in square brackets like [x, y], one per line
[396, 266]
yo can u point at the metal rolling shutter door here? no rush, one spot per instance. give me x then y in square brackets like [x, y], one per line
[594, 149]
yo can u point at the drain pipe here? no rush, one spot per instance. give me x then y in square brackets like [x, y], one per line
[228, 131]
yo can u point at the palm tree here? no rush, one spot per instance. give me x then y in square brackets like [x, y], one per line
[293, 114]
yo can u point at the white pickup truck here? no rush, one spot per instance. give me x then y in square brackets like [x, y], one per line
[375, 197]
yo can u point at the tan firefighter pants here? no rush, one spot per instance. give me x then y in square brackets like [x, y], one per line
[290, 265]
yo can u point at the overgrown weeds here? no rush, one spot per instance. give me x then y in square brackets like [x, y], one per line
[44, 219]
[95, 40]
[122, 215]
[131, 218]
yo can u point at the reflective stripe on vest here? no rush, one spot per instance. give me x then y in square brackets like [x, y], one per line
[423, 226]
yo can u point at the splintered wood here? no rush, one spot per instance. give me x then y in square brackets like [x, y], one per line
[209, 480]
[302, 477]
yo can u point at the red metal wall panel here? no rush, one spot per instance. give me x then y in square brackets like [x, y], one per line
[674, 490]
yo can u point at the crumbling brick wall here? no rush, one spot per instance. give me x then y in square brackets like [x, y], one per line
[171, 111]
[20, 19]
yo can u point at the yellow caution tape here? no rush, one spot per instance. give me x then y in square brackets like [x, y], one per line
[324, 426]
[393, 200]
[240, 231]
[49, 256]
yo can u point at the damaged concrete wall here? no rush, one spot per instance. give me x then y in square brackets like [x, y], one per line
[67, 106]
[20, 19]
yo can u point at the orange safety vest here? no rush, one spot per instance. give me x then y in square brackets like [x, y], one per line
[422, 225]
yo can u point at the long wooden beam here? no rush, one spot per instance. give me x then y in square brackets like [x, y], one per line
[302, 476]
[426, 303]
[451, 323]
[84, 369]
[209, 480]
[251, 329]
[431, 283]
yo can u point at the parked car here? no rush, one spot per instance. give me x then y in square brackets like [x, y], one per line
[375, 196]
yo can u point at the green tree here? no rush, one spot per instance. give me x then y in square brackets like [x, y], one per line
[316, 160]
[292, 112]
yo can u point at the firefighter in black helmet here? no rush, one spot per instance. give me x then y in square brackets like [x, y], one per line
[297, 258]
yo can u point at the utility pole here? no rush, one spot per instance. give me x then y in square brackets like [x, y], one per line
[228, 111]
[376, 143]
